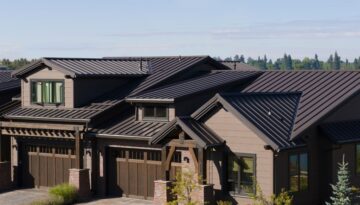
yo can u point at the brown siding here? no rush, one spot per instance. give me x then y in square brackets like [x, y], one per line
[349, 111]
[240, 139]
[46, 73]
[88, 89]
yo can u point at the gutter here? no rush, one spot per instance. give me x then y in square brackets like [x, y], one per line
[47, 119]
[125, 137]
[149, 100]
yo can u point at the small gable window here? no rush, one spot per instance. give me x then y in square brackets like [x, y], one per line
[298, 169]
[241, 174]
[158, 112]
[47, 92]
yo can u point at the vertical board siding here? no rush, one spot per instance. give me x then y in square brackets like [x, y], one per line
[240, 139]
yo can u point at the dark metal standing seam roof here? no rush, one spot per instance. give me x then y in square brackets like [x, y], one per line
[128, 126]
[342, 132]
[196, 130]
[196, 85]
[163, 68]
[89, 67]
[236, 65]
[272, 114]
[322, 91]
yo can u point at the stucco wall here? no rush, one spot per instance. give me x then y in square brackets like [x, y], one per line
[241, 139]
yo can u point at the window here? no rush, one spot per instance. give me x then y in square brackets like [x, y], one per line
[358, 159]
[241, 174]
[155, 112]
[298, 172]
[47, 92]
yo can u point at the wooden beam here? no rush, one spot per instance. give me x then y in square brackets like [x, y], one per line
[193, 156]
[47, 126]
[78, 149]
[182, 143]
[164, 172]
[169, 158]
[201, 165]
[34, 133]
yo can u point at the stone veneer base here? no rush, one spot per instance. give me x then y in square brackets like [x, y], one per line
[81, 180]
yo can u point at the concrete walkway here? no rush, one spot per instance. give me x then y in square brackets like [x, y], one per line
[26, 196]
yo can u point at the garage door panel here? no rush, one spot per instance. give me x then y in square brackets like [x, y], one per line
[45, 166]
[136, 171]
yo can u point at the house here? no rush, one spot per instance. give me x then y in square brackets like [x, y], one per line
[124, 126]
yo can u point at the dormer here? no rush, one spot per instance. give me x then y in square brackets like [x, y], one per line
[155, 112]
[74, 82]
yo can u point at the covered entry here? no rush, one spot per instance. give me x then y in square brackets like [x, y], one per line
[132, 172]
[46, 166]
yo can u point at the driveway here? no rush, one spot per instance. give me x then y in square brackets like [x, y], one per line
[26, 196]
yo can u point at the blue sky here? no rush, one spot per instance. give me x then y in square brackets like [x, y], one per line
[79, 28]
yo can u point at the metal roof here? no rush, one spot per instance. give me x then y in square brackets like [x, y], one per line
[237, 65]
[89, 67]
[198, 131]
[342, 132]
[163, 69]
[127, 125]
[322, 92]
[195, 85]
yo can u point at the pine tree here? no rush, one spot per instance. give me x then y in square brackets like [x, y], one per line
[242, 59]
[236, 57]
[341, 191]
[317, 63]
[337, 61]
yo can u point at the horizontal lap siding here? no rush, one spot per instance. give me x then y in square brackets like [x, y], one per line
[241, 139]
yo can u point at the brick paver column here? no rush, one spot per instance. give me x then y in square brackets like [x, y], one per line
[81, 180]
[162, 193]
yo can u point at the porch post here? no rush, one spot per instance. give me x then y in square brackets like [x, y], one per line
[78, 150]
[78, 176]
[164, 171]
[5, 163]
[201, 165]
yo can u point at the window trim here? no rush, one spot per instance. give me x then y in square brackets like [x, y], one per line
[298, 153]
[239, 155]
[164, 119]
[47, 80]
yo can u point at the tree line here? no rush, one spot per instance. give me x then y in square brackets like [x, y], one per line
[14, 64]
[334, 62]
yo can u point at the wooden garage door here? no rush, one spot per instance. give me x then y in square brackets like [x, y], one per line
[46, 166]
[132, 172]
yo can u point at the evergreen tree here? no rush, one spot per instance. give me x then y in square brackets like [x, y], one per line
[341, 191]
[277, 65]
[236, 57]
[288, 63]
[317, 63]
[337, 61]
[330, 62]
[242, 59]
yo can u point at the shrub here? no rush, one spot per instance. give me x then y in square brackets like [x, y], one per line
[50, 201]
[66, 192]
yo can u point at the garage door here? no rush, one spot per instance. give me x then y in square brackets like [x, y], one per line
[132, 172]
[46, 166]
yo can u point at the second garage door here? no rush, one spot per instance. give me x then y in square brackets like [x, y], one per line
[132, 172]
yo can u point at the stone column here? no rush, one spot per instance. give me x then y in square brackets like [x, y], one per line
[204, 194]
[80, 179]
[162, 193]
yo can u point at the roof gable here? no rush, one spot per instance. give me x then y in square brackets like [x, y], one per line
[271, 115]
[322, 92]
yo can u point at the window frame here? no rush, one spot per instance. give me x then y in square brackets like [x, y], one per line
[357, 149]
[238, 155]
[298, 154]
[154, 118]
[32, 81]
